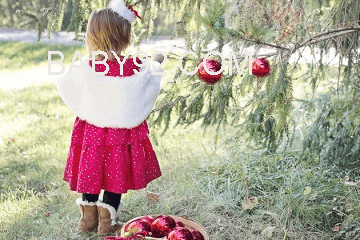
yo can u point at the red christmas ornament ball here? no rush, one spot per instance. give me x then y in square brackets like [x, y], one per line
[180, 233]
[196, 235]
[162, 225]
[115, 238]
[260, 67]
[149, 219]
[179, 224]
[142, 225]
[212, 66]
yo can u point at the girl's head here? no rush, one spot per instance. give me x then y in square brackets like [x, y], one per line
[107, 31]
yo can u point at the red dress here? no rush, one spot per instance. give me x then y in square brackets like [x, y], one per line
[113, 159]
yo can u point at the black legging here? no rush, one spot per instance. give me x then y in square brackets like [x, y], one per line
[113, 199]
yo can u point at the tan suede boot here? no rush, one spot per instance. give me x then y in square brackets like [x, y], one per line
[109, 221]
[89, 215]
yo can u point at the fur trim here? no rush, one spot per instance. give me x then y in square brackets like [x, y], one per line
[106, 101]
[113, 212]
[79, 202]
[121, 206]
[119, 7]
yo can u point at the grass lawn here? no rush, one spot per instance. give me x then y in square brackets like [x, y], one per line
[206, 183]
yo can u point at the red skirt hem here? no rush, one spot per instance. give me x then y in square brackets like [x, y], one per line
[74, 189]
[115, 160]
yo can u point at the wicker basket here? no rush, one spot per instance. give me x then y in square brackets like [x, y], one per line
[190, 224]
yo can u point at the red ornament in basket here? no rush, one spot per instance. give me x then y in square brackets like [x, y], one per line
[180, 233]
[163, 227]
[135, 237]
[140, 225]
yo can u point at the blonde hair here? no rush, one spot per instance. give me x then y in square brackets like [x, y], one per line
[107, 31]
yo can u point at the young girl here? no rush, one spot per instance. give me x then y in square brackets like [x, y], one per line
[110, 147]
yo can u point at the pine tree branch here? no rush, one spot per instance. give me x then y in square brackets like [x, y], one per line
[26, 13]
[265, 43]
[315, 39]
[171, 104]
[227, 58]
[355, 86]
[263, 55]
[44, 12]
[27, 22]
[311, 40]
[259, 42]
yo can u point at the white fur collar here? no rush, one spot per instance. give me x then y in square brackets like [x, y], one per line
[106, 101]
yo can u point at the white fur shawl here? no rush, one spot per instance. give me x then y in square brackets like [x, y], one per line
[106, 101]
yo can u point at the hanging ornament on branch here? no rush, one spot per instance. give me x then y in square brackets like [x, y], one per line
[260, 67]
[213, 66]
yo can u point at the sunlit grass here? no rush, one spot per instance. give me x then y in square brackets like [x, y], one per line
[17, 55]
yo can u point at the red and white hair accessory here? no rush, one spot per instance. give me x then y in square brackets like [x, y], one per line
[124, 10]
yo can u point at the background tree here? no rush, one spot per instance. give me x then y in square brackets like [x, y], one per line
[265, 116]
